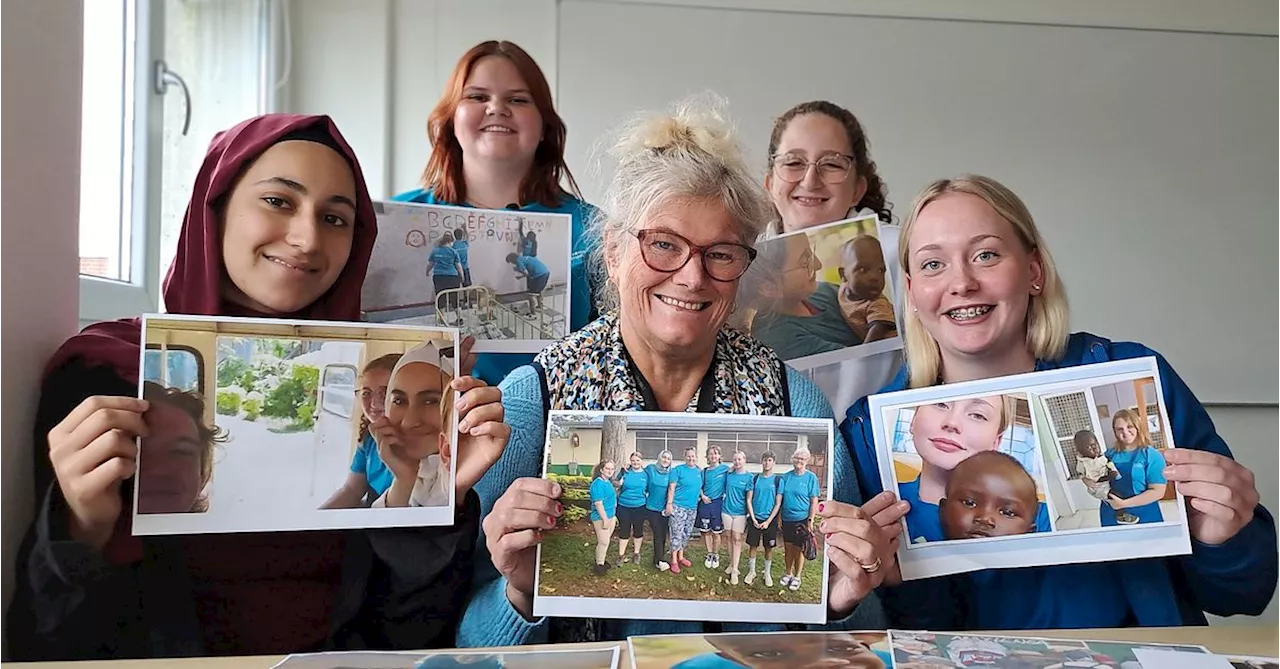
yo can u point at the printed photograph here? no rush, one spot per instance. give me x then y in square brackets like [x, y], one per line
[821, 295]
[1244, 662]
[1066, 463]
[777, 650]
[501, 276]
[270, 425]
[970, 469]
[703, 516]
[932, 650]
[1104, 450]
[575, 658]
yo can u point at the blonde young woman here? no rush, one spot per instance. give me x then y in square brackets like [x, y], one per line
[985, 299]
[1142, 482]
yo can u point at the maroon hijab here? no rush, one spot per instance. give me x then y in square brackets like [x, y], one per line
[194, 283]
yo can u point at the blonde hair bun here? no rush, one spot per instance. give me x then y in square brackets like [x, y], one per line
[697, 124]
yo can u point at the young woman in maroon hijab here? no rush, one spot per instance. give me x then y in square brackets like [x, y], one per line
[280, 224]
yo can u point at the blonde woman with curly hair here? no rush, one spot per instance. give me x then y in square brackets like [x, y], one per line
[672, 241]
[984, 299]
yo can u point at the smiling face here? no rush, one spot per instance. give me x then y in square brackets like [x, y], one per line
[414, 398]
[739, 461]
[811, 137]
[171, 461]
[608, 469]
[636, 461]
[373, 393]
[664, 459]
[691, 457]
[676, 314]
[970, 277]
[496, 119]
[800, 460]
[864, 269]
[988, 495]
[947, 433]
[800, 275]
[798, 651]
[288, 227]
[1126, 432]
[713, 455]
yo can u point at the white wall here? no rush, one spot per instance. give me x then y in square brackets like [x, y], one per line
[40, 195]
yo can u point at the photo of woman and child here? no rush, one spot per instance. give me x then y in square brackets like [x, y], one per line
[969, 469]
[303, 440]
[821, 290]
[690, 511]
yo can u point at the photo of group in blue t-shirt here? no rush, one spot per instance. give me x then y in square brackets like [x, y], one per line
[662, 516]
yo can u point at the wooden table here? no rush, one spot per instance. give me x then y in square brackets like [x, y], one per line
[1235, 640]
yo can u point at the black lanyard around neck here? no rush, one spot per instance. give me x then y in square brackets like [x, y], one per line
[648, 402]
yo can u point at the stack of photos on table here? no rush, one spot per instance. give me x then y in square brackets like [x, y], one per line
[1045, 468]
[896, 649]
[529, 658]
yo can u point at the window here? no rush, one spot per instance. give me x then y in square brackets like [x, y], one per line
[652, 442]
[338, 390]
[1069, 414]
[160, 79]
[178, 367]
[754, 443]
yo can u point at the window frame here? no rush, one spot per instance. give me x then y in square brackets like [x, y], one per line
[181, 348]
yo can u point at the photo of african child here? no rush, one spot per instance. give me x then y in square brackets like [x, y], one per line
[1068, 463]
[270, 425]
[820, 295]
[1104, 446]
[932, 650]
[710, 516]
[500, 276]
[969, 468]
[776, 650]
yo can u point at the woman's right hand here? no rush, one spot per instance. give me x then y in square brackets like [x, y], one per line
[512, 531]
[389, 440]
[93, 450]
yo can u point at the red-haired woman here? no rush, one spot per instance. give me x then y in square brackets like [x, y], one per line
[497, 142]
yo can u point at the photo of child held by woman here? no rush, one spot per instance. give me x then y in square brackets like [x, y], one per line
[822, 290]
[757, 508]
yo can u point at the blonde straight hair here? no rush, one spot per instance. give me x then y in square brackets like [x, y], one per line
[1047, 313]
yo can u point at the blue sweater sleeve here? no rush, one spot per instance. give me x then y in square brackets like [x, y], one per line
[489, 619]
[807, 401]
[1238, 576]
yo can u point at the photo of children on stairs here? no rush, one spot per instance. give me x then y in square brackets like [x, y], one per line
[1066, 464]
[278, 425]
[654, 512]
[821, 295]
[501, 276]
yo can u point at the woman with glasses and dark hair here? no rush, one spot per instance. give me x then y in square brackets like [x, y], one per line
[671, 245]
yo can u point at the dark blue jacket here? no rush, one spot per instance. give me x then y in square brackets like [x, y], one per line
[1237, 577]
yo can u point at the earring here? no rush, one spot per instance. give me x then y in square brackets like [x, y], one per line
[1035, 287]
[914, 309]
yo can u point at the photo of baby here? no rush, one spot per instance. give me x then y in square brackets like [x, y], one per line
[309, 425]
[1026, 459]
[821, 295]
[775, 650]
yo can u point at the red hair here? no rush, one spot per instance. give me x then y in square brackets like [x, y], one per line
[443, 174]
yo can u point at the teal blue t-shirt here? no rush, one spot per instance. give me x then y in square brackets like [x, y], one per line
[799, 336]
[713, 480]
[798, 492]
[602, 491]
[367, 462]
[463, 249]
[532, 266]
[736, 485]
[635, 485]
[764, 494]
[658, 482]
[444, 261]
[493, 367]
[688, 480]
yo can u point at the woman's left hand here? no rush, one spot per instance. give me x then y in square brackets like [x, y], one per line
[1221, 493]
[1117, 503]
[861, 543]
[390, 442]
[482, 435]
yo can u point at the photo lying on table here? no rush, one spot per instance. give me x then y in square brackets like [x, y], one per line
[564, 658]
[821, 295]
[501, 276]
[698, 516]
[1044, 468]
[755, 650]
[1248, 662]
[935, 650]
[260, 425]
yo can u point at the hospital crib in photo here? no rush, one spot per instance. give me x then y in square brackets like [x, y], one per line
[477, 311]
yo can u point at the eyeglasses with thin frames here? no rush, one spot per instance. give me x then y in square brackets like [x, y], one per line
[666, 251]
[833, 168]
